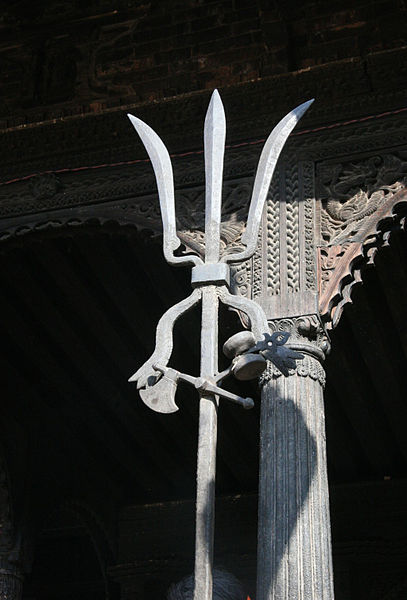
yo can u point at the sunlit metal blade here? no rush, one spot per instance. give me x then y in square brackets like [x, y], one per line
[161, 396]
[160, 159]
[214, 142]
[268, 160]
[164, 339]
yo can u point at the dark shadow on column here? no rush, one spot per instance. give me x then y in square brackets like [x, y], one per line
[291, 490]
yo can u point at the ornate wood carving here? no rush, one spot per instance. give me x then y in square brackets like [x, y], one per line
[307, 335]
[285, 283]
[69, 130]
[304, 230]
[351, 192]
[317, 238]
[360, 204]
[141, 212]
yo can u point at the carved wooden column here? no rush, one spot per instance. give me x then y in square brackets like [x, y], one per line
[315, 240]
[294, 542]
[294, 547]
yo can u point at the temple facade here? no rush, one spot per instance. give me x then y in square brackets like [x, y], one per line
[97, 492]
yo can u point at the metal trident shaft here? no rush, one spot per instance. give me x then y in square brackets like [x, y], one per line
[210, 278]
[214, 145]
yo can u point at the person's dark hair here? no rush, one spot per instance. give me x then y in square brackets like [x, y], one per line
[225, 587]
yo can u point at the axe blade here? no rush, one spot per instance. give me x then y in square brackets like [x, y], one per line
[160, 396]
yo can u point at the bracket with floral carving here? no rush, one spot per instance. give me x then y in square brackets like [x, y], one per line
[362, 202]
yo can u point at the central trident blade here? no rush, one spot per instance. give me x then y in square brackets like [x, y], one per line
[214, 144]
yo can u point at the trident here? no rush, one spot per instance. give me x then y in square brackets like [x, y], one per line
[210, 281]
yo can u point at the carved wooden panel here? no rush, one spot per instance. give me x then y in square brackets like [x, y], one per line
[314, 238]
[359, 203]
[282, 274]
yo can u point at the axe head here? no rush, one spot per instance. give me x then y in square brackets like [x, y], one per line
[160, 396]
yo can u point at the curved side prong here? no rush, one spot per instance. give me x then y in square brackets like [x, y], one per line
[161, 162]
[163, 339]
[268, 160]
[258, 320]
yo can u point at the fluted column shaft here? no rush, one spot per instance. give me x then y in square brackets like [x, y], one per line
[294, 540]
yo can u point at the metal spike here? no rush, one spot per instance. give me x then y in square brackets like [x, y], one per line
[268, 160]
[214, 142]
[161, 162]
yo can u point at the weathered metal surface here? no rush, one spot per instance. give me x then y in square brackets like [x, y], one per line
[206, 461]
[211, 282]
[146, 375]
[249, 366]
[202, 384]
[161, 396]
[217, 273]
[214, 146]
[161, 161]
[273, 349]
[238, 343]
[257, 318]
[267, 163]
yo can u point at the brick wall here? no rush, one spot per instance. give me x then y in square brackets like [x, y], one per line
[57, 58]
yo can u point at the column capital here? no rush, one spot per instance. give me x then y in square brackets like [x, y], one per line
[308, 336]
